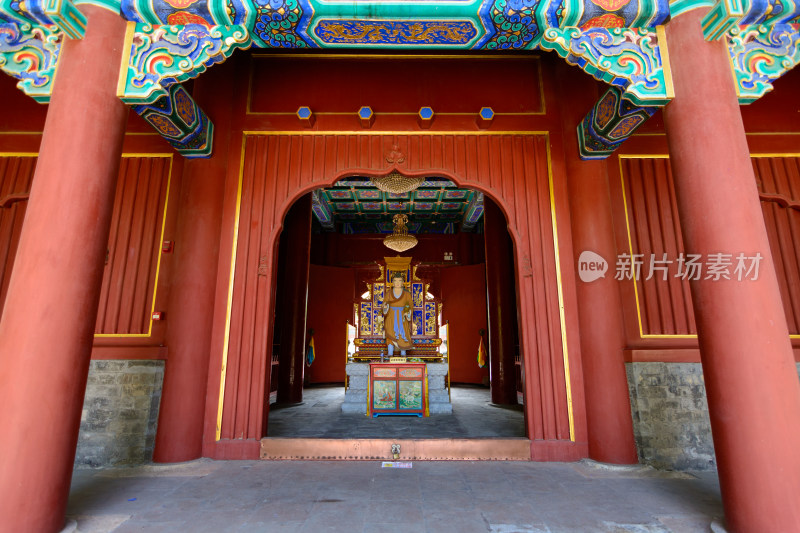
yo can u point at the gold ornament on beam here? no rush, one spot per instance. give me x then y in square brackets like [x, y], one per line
[397, 183]
[400, 240]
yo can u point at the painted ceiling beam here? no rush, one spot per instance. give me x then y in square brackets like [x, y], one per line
[321, 210]
[612, 40]
[473, 212]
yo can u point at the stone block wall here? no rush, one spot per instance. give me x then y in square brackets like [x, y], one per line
[120, 412]
[670, 415]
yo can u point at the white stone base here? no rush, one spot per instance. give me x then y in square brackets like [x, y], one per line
[355, 397]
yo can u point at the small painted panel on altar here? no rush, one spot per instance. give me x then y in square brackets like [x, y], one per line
[384, 372]
[410, 372]
[416, 322]
[416, 294]
[430, 318]
[383, 394]
[365, 318]
[377, 294]
[410, 395]
[377, 321]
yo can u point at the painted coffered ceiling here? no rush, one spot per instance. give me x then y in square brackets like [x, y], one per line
[355, 205]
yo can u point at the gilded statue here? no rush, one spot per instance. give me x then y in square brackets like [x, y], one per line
[397, 306]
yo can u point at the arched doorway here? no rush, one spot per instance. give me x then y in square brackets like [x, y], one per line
[514, 169]
[451, 266]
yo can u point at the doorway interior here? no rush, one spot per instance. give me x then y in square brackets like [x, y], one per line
[348, 224]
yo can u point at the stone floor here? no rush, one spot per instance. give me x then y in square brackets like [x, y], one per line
[319, 415]
[366, 497]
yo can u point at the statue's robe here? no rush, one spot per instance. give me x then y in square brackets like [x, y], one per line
[397, 329]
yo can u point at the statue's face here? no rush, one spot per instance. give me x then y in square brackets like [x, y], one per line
[397, 283]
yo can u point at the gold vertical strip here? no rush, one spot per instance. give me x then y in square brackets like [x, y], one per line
[160, 246]
[234, 247]
[560, 295]
[665, 64]
[642, 335]
[158, 264]
[630, 247]
[122, 81]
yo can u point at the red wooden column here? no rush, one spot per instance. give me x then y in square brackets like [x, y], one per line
[48, 322]
[294, 288]
[191, 300]
[500, 301]
[750, 374]
[608, 406]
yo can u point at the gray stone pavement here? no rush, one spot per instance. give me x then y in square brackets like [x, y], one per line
[463, 497]
[320, 415]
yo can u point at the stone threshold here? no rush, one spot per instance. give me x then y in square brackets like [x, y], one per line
[490, 449]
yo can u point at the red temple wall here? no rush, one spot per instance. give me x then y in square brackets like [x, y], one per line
[464, 310]
[330, 306]
[772, 122]
[279, 167]
[646, 221]
[150, 175]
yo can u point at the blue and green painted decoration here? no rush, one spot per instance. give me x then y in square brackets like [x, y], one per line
[354, 205]
[616, 41]
[178, 119]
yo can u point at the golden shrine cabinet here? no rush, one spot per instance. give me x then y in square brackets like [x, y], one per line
[414, 332]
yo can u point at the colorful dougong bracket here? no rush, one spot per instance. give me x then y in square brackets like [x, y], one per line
[727, 15]
[630, 59]
[178, 119]
[761, 55]
[64, 14]
[165, 55]
[610, 122]
[30, 56]
[206, 12]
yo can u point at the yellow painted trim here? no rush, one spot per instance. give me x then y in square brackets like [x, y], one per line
[122, 80]
[733, 78]
[158, 263]
[226, 341]
[560, 297]
[665, 64]
[55, 74]
[19, 154]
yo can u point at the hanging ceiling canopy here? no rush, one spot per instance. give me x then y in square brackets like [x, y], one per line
[355, 205]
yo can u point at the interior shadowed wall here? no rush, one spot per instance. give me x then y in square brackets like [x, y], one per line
[464, 299]
[330, 305]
